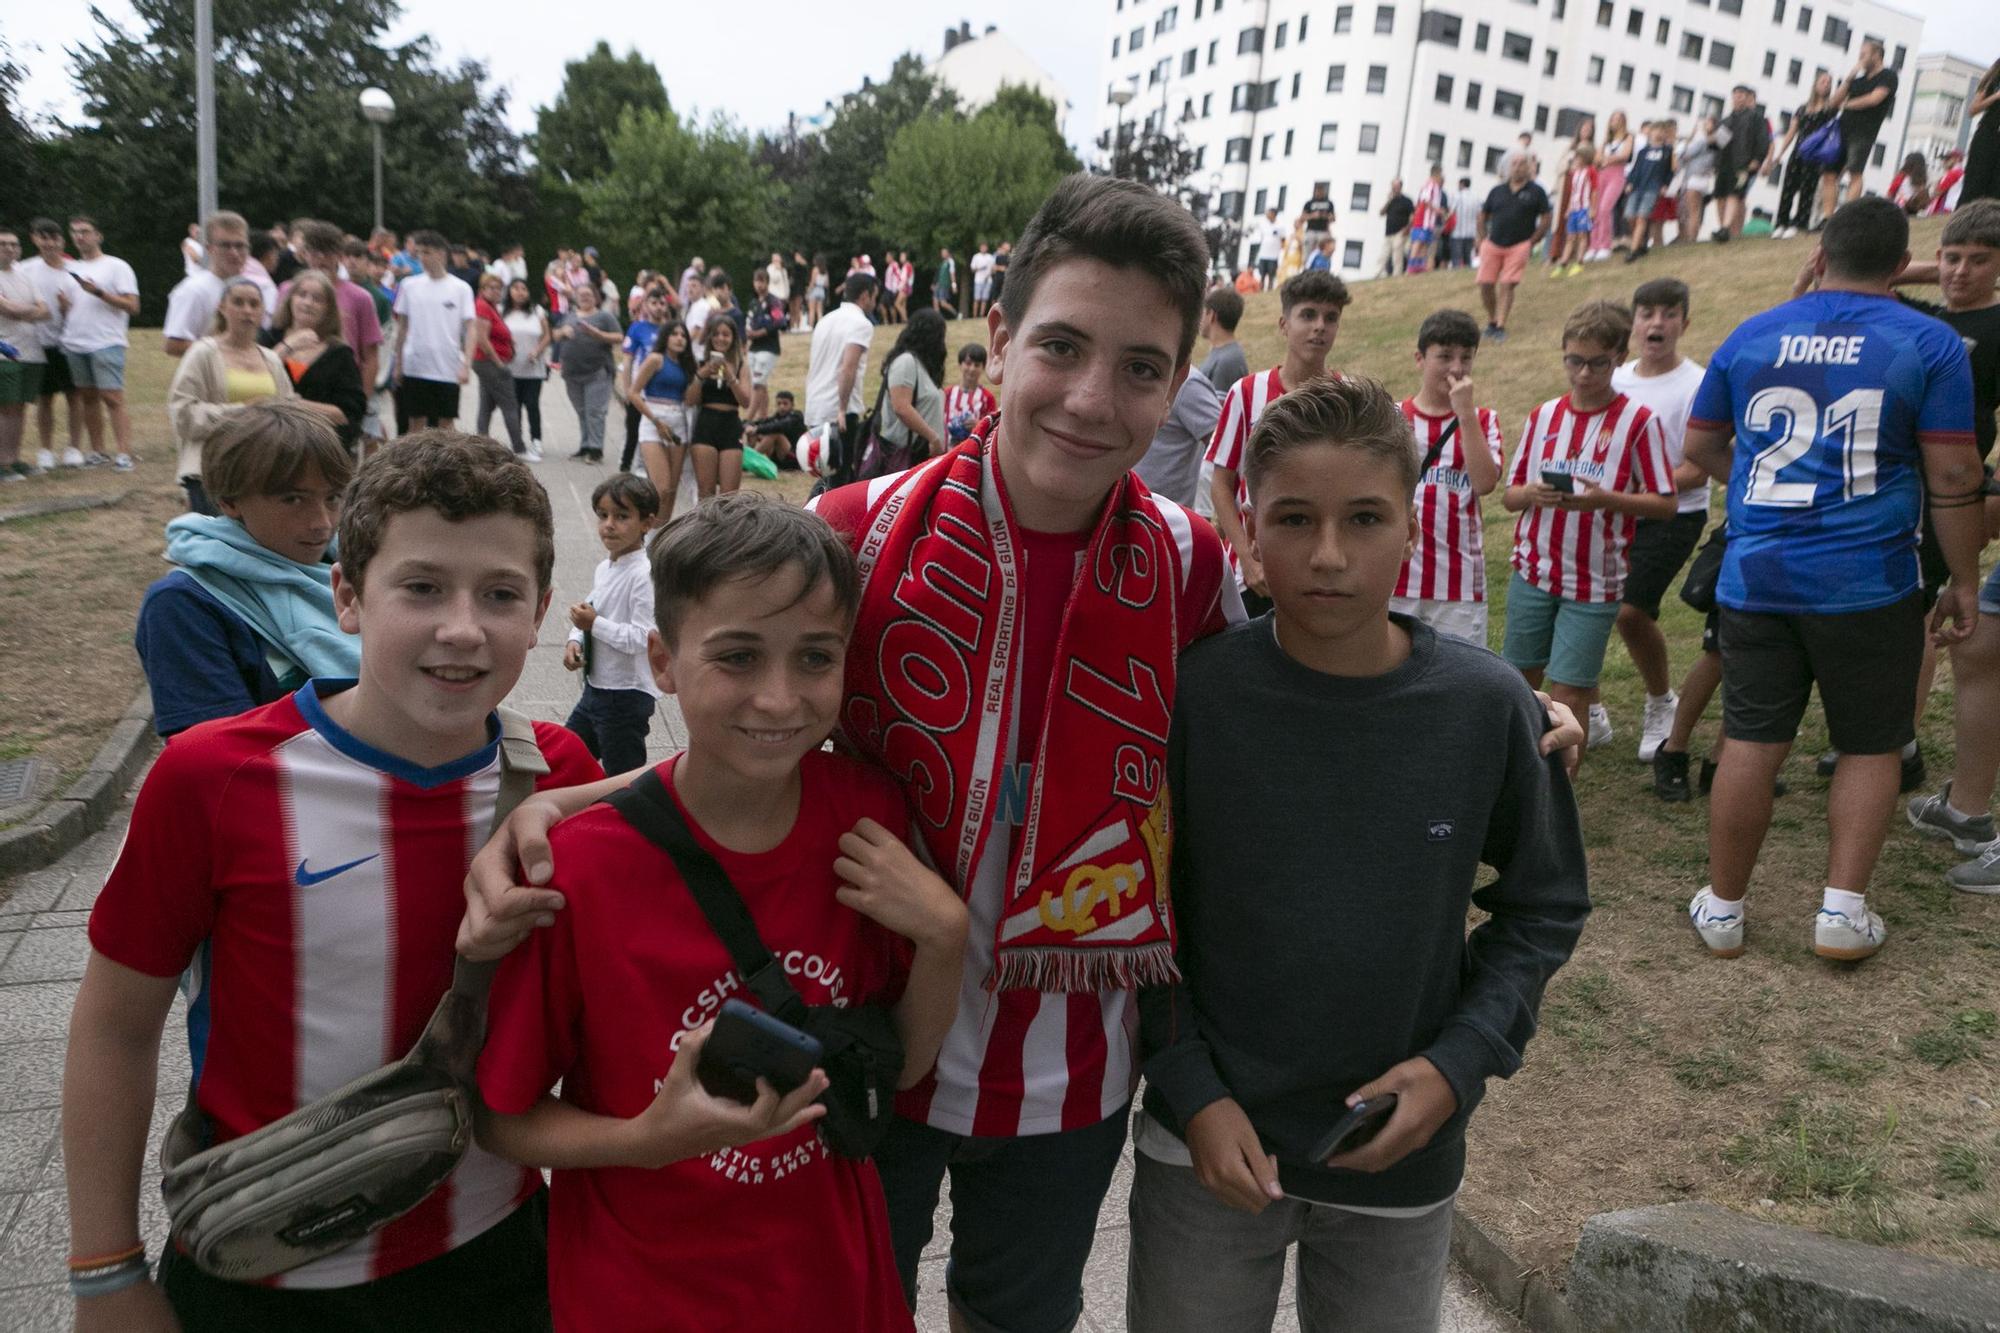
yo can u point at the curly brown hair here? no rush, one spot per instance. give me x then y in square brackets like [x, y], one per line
[459, 475]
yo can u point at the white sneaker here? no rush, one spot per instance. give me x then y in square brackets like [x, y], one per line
[1600, 727]
[45, 461]
[1719, 923]
[96, 459]
[1847, 939]
[72, 457]
[123, 463]
[533, 453]
[1659, 720]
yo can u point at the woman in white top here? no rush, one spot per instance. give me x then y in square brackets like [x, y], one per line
[780, 278]
[530, 367]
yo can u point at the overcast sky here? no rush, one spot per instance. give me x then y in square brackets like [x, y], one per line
[760, 61]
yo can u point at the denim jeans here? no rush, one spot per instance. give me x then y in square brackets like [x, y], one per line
[496, 389]
[591, 398]
[529, 394]
[612, 724]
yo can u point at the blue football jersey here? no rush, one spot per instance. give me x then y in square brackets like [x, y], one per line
[1828, 396]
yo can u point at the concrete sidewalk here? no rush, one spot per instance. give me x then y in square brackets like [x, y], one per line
[43, 948]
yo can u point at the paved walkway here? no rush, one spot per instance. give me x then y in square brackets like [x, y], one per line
[43, 948]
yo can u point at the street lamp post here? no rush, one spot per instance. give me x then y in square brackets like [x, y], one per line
[380, 109]
[1120, 95]
[204, 110]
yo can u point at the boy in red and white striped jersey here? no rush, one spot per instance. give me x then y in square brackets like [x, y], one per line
[301, 864]
[1590, 465]
[1310, 305]
[1444, 580]
[968, 402]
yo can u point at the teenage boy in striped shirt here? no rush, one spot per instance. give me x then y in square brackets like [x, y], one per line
[1309, 305]
[1590, 465]
[1443, 582]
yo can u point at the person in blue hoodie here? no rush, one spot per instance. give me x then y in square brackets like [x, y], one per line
[247, 614]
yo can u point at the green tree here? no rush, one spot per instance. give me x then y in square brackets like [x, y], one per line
[573, 134]
[1025, 106]
[677, 188]
[1000, 171]
[290, 140]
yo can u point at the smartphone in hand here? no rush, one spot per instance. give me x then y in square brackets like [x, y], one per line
[747, 1044]
[1561, 481]
[1356, 1129]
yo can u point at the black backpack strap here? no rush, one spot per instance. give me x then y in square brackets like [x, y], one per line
[649, 808]
[1437, 450]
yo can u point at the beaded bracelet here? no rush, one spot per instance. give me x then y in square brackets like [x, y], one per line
[115, 1277]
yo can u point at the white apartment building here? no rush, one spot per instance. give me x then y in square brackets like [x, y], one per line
[1941, 91]
[976, 67]
[1274, 95]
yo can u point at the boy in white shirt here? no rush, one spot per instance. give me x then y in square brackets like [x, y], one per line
[607, 641]
[436, 337]
[96, 331]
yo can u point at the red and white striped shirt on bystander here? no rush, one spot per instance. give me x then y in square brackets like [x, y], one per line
[1448, 563]
[973, 404]
[1241, 406]
[310, 887]
[1576, 554]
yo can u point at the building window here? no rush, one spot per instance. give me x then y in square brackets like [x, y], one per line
[1606, 11]
[1350, 255]
[1465, 154]
[1336, 78]
[1805, 19]
[1302, 25]
[1281, 192]
[1691, 45]
[1136, 39]
[1596, 70]
[1369, 135]
[1770, 63]
[1114, 47]
[1652, 87]
[1444, 87]
[1207, 105]
[1200, 156]
[1506, 105]
[1729, 6]
[1662, 31]
[1250, 39]
[1189, 60]
[1258, 204]
[1635, 23]
[1243, 97]
[1236, 150]
[1901, 53]
[1378, 78]
[1683, 99]
[1794, 71]
[1494, 157]
[1481, 36]
[1279, 38]
[1358, 201]
[1549, 62]
[1165, 22]
[1836, 32]
[1711, 105]
[1329, 137]
[1567, 121]
[1625, 76]
[1721, 54]
[1288, 149]
[1343, 19]
[1440, 27]
[1473, 92]
[1542, 119]
[1434, 149]
[1385, 18]
[1516, 46]
[1295, 85]
[1561, 8]
[1778, 12]
[1232, 204]
[1784, 122]
[1214, 47]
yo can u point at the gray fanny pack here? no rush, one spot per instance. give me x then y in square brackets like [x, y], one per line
[346, 1165]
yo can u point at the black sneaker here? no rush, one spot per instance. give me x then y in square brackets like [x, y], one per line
[1719, 234]
[1670, 775]
[1636, 255]
[1827, 763]
[1914, 773]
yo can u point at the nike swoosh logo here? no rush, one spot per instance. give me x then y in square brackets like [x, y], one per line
[308, 878]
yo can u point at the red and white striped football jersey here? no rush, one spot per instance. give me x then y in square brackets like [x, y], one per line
[1580, 554]
[310, 887]
[1430, 210]
[1448, 563]
[1241, 406]
[974, 404]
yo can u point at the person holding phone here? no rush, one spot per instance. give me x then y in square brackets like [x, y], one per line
[95, 334]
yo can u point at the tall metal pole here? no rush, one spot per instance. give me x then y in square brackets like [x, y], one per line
[204, 108]
[377, 128]
[1117, 143]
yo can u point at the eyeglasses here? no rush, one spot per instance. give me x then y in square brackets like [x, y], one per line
[229, 245]
[1595, 364]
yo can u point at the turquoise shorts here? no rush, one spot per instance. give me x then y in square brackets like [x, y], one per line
[1546, 631]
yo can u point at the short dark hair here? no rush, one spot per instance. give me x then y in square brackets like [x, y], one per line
[459, 475]
[1865, 238]
[973, 352]
[1226, 305]
[745, 534]
[1315, 285]
[1447, 328]
[265, 449]
[718, 277]
[85, 219]
[322, 237]
[263, 243]
[785, 394]
[45, 227]
[429, 240]
[857, 286]
[1122, 223]
[628, 489]
[1662, 294]
[1977, 223]
[1349, 411]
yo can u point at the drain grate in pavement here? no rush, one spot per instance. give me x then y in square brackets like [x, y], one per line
[17, 779]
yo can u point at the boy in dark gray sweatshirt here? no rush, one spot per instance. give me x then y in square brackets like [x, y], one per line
[1339, 776]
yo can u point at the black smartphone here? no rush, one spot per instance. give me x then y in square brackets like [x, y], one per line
[1561, 481]
[747, 1044]
[1363, 1121]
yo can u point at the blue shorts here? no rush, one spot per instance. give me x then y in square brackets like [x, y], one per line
[1422, 235]
[1639, 203]
[1989, 594]
[1546, 631]
[103, 368]
[1580, 221]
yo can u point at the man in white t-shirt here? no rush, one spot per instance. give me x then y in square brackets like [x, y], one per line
[1270, 235]
[95, 333]
[21, 312]
[1664, 381]
[191, 305]
[982, 281]
[837, 365]
[436, 337]
[56, 289]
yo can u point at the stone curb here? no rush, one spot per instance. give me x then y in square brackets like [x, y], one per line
[1524, 1293]
[64, 504]
[60, 823]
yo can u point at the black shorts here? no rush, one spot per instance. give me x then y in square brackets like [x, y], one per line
[1727, 182]
[429, 400]
[1864, 662]
[55, 375]
[1856, 149]
[1660, 548]
[1267, 267]
[717, 430]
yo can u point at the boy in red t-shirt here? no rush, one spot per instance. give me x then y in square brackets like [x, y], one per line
[671, 1207]
[300, 866]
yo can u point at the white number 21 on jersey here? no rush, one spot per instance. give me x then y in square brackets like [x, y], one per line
[1854, 418]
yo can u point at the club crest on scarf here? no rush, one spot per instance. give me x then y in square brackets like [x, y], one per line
[1087, 899]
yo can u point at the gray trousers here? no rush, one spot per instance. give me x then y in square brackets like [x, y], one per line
[496, 389]
[592, 399]
[1199, 1266]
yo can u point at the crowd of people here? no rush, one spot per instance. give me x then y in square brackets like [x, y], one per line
[959, 917]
